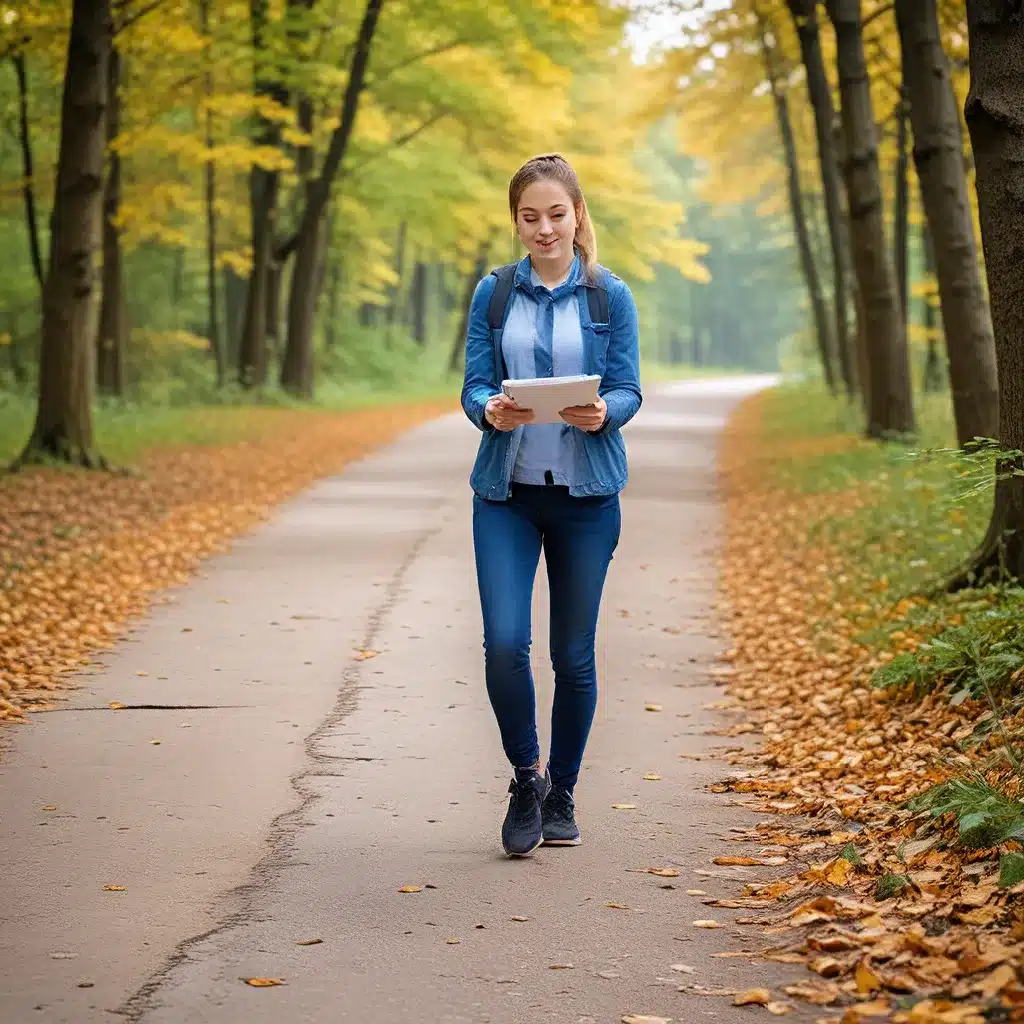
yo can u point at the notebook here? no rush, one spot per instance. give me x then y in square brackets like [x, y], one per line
[548, 396]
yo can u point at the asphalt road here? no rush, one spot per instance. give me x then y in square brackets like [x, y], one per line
[281, 787]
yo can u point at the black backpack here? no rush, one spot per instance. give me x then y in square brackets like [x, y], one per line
[597, 298]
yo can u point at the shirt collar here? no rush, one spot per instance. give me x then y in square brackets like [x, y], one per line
[527, 279]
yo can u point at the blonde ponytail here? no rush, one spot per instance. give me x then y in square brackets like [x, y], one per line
[586, 241]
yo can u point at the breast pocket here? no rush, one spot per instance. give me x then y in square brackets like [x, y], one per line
[599, 337]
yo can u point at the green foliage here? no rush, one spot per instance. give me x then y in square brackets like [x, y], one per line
[849, 852]
[984, 816]
[974, 660]
[890, 886]
[1011, 870]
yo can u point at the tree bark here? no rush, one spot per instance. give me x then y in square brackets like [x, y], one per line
[297, 368]
[28, 167]
[264, 186]
[472, 280]
[901, 218]
[418, 302]
[933, 375]
[822, 324]
[805, 19]
[113, 315]
[63, 425]
[995, 119]
[210, 199]
[939, 158]
[891, 406]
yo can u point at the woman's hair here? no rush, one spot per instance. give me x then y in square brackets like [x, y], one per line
[554, 167]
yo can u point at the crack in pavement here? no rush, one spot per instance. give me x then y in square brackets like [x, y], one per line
[284, 827]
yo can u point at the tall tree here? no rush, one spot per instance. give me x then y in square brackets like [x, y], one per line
[995, 119]
[210, 203]
[933, 375]
[28, 167]
[939, 158]
[901, 215]
[264, 189]
[891, 404]
[805, 20]
[113, 313]
[822, 324]
[297, 367]
[63, 425]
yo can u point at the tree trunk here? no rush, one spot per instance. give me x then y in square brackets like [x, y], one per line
[822, 325]
[933, 375]
[28, 168]
[901, 217]
[472, 280]
[298, 361]
[333, 297]
[418, 302]
[891, 407]
[113, 317]
[995, 119]
[805, 18]
[264, 186]
[396, 289]
[234, 308]
[939, 157]
[63, 424]
[210, 196]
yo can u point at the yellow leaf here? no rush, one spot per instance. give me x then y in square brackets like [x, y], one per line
[663, 872]
[411, 888]
[115, 888]
[365, 655]
[652, 707]
[867, 979]
[753, 997]
[706, 924]
[652, 777]
[115, 705]
[623, 807]
[617, 906]
[50, 807]
[453, 942]
[779, 1009]
[263, 982]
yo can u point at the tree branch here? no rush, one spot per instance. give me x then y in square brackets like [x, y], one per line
[396, 143]
[414, 59]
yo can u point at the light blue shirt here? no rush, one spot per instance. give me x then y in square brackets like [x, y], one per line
[545, 447]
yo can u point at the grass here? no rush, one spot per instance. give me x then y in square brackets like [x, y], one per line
[125, 430]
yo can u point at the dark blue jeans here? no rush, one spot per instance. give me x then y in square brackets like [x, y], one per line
[578, 537]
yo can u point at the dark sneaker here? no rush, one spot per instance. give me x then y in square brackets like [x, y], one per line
[559, 819]
[522, 831]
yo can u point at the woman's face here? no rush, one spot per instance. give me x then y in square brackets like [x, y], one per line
[546, 222]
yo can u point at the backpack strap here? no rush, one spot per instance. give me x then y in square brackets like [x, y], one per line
[499, 297]
[597, 303]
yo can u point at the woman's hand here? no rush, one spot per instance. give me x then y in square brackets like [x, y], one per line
[586, 417]
[503, 414]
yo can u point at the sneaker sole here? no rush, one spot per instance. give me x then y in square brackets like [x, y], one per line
[527, 853]
[563, 842]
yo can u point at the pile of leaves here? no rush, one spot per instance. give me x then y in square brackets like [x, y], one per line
[82, 554]
[888, 756]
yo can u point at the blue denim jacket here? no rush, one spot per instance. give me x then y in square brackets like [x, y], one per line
[610, 350]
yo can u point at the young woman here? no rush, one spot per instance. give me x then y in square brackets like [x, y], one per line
[547, 486]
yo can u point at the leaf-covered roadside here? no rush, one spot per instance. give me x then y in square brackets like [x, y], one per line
[888, 725]
[83, 554]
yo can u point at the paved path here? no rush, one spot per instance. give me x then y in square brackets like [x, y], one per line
[294, 788]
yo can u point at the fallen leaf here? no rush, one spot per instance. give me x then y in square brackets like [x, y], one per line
[652, 777]
[695, 892]
[453, 942]
[263, 982]
[643, 1019]
[867, 979]
[361, 655]
[116, 705]
[518, 917]
[309, 942]
[562, 967]
[617, 906]
[753, 997]
[652, 707]
[706, 924]
[623, 807]
[50, 807]
[411, 888]
[115, 888]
